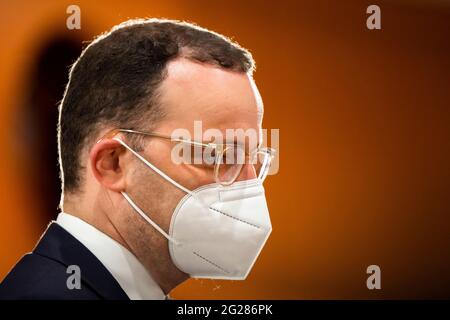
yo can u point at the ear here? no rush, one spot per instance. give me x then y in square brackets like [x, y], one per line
[107, 161]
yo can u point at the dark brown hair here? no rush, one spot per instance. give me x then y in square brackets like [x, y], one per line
[114, 82]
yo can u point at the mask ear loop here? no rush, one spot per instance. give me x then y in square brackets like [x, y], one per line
[162, 174]
[138, 210]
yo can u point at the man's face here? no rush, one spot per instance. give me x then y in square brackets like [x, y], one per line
[191, 92]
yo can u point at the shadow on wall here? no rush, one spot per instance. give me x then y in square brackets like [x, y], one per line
[37, 120]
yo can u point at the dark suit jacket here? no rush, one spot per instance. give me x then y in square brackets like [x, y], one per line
[42, 274]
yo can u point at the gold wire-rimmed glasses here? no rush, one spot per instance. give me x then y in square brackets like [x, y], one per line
[227, 159]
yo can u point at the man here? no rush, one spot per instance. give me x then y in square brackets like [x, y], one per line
[135, 220]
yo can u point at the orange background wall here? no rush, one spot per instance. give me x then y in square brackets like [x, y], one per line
[364, 121]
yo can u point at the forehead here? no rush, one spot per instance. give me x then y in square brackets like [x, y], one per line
[220, 98]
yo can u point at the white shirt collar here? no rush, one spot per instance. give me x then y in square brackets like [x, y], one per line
[120, 262]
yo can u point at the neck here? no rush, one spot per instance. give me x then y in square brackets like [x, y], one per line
[99, 220]
[158, 264]
[166, 274]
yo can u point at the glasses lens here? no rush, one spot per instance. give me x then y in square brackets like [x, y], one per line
[229, 164]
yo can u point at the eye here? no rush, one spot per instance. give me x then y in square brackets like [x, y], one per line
[209, 159]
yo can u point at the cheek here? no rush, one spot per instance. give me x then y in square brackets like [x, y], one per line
[159, 153]
[145, 182]
[154, 195]
[203, 177]
[191, 176]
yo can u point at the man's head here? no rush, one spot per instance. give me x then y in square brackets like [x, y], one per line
[152, 76]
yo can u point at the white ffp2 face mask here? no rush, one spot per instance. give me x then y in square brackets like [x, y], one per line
[216, 231]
